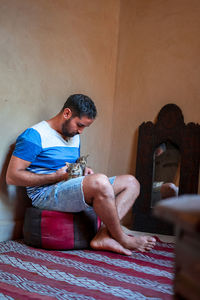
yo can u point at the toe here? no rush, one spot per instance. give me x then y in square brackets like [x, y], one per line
[149, 247]
[151, 239]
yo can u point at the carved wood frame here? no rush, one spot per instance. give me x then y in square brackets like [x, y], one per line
[170, 126]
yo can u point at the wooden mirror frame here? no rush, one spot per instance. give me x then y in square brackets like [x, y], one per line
[170, 127]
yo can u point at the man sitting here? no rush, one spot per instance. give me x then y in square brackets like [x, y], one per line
[39, 162]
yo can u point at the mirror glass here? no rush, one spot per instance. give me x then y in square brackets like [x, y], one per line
[166, 172]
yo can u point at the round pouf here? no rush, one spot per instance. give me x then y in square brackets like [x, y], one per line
[59, 230]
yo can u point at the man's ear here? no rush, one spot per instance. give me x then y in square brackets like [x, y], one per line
[67, 113]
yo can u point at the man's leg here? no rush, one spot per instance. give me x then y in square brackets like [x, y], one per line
[111, 203]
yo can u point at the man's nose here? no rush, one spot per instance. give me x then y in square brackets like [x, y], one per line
[80, 130]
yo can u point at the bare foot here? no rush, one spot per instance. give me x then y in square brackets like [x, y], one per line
[141, 243]
[103, 241]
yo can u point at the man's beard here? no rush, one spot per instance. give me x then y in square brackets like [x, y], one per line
[65, 129]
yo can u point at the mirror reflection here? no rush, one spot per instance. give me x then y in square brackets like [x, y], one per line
[166, 172]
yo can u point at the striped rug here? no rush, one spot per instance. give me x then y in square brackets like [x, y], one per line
[30, 273]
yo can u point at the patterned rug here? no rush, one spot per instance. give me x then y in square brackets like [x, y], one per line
[30, 273]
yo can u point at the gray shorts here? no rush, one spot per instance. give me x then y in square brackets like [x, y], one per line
[65, 196]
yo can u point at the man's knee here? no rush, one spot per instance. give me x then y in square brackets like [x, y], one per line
[97, 185]
[100, 184]
[168, 190]
[133, 183]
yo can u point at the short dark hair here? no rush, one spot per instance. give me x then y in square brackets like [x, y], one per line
[81, 105]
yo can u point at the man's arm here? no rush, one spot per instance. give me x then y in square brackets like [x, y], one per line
[18, 175]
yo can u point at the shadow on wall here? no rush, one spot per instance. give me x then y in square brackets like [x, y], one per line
[128, 219]
[13, 203]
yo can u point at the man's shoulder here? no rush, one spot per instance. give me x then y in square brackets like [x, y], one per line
[44, 130]
[48, 137]
[41, 126]
[29, 135]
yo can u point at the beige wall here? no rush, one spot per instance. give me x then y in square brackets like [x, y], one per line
[49, 50]
[158, 63]
[130, 56]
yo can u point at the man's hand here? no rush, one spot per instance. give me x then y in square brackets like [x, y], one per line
[88, 171]
[62, 174]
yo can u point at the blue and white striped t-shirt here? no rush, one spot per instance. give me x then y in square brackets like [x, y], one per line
[47, 151]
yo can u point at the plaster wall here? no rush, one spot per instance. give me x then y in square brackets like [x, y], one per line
[49, 50]
[158, 63]
[131, 56]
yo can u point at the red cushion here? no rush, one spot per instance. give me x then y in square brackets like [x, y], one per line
[60, 230]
